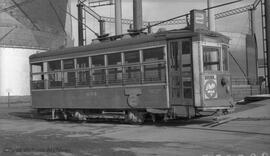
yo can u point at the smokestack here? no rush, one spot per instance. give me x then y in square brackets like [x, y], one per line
[137, 14]
[211, 16]
[80, 25]
[102, 28]
[118, 17]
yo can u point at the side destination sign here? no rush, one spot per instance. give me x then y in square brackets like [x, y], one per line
[210, 87]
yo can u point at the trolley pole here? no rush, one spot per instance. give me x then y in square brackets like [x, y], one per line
[267, 28]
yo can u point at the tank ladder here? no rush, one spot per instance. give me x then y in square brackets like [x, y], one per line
[264, 38]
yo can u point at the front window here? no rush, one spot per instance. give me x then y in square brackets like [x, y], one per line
[211, 58]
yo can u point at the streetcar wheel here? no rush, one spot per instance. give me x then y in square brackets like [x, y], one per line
[135, 117]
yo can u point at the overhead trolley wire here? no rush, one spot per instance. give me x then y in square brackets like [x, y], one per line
[185, 15]
[78, 20]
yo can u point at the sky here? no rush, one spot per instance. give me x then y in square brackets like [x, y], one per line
[154, 10]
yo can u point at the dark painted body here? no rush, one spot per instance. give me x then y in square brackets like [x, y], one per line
[177, 94]
[100, 98]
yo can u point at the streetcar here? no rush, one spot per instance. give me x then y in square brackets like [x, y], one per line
[164, 75]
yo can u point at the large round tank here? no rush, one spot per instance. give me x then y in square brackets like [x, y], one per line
[27, 27]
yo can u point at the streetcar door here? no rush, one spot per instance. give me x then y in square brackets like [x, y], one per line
[180, 68]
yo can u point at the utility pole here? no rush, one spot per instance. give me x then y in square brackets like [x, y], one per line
[211, 16]
[267, 28]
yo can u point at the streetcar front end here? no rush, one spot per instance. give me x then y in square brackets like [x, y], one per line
[212, 79]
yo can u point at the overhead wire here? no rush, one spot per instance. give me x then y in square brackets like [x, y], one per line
[185, 15]
[78, 20]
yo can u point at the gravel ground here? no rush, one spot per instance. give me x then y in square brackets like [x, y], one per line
[21, 135]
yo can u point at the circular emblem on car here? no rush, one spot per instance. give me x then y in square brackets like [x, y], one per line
[210, 89]
[133, 100]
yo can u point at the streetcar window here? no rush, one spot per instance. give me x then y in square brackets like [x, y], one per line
[37, 67]
[55, 80]
[132, 57]
[99, 77]
[153, 54]
[186, 47]
[68, 64]
[132, 75]
[115, 75]
[69, 79]
[98, 61]
[114, 59]
[38, 81]
[225, 57]
[154, 73]
[174, 55]
[187, 93]
[54, 65]
[83, 78]
[211, 58]
[82, 62]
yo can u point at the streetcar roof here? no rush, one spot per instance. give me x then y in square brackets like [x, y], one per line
[160, 36]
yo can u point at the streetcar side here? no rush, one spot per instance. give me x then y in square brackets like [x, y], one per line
[165, 75]
[119, 82]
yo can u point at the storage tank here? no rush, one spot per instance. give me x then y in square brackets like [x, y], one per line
[28, 27]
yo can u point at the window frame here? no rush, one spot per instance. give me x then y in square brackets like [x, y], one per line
[121, 65]
[219, 58]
